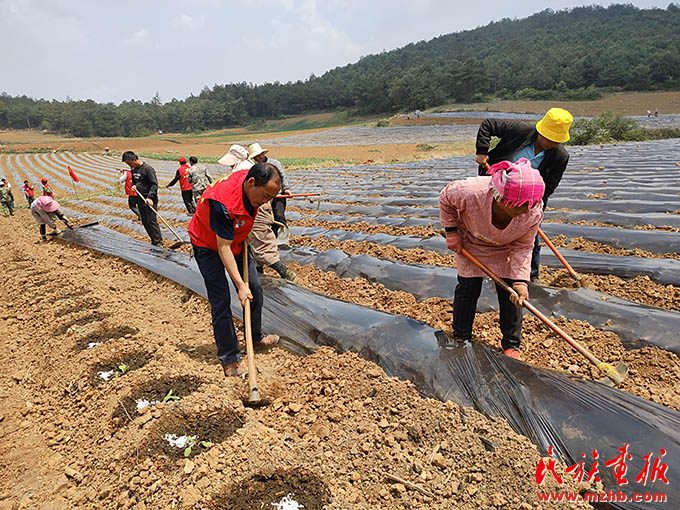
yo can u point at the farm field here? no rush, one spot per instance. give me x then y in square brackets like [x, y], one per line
[398, 422]
[330, 136]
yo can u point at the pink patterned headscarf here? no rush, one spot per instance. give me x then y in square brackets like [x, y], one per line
[517, 184]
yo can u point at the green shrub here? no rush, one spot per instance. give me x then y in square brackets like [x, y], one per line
[609, 127]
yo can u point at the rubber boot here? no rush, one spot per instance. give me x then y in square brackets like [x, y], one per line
[283, 271]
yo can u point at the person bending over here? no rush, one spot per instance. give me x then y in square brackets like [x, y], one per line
[495, 218]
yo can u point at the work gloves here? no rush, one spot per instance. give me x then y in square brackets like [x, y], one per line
[522, 291]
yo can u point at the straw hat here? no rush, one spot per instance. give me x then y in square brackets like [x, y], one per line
[555, 125]
[254, 149]
[236, 153]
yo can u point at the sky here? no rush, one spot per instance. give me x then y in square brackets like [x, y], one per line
[126, 49]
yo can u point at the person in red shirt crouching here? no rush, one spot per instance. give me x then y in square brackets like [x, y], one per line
[222, 221]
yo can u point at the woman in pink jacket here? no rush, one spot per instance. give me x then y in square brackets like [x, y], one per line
[496, 218]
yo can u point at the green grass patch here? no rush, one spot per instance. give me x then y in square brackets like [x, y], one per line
[32, 150]
[314, 162]
[286, 162]
[174, 157]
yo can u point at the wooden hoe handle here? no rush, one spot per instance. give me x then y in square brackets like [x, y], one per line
[534, 310]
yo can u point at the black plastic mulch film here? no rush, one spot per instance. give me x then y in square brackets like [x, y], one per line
[623, 186]
[571, 415]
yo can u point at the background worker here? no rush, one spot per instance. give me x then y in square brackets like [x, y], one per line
[540, 144]
[8, 185]
[182, 175]
[199, 178]
[223, 219]
[126, 180]
[44, 209]
[259, 155]
[6, 201]
[263, 243]
[495, 218]
[236, 158]
[144, 181]
[46, 188]
[29, 192]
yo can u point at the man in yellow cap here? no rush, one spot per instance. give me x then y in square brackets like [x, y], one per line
[540, 144]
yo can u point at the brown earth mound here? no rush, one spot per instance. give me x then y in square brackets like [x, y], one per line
[371, 440]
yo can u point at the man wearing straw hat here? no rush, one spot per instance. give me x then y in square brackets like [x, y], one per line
[540, 144]
[262, 239]
[259, 155]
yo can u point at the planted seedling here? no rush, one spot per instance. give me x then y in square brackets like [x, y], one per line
[170, 396]
[191, 442]
[121, 370]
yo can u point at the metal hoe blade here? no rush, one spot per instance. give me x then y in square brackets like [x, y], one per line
[283, 235]
[613, 376]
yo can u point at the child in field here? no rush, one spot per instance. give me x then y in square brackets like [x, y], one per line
[496, 218]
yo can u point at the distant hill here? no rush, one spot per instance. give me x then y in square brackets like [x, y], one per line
[569, 54]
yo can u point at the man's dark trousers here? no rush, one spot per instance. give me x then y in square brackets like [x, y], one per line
[536, 258]
[149, 220]
[279, 211]
[188, 197]
[216, 283]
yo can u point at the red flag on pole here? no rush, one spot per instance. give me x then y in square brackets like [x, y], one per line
[73, 174]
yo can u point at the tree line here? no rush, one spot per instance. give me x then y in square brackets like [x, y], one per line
[568, 54]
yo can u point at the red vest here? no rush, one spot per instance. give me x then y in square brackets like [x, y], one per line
[28, 190]
[184, 183]
[128, 184]
[229, 192]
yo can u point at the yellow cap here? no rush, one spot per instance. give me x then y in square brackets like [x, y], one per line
[555, 125]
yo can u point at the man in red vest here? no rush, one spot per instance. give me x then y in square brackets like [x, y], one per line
[182, 175]
[29, 192]
[126, 180]
[46, 188]
[223, 219]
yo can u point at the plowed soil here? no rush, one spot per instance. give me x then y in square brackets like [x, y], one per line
[337, 427]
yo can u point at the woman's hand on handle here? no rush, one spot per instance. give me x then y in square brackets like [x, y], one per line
[454, 241]
[522, 291]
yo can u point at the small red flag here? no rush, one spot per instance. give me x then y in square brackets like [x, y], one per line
[73, 174]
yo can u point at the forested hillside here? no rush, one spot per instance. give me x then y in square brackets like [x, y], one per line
[570, 54]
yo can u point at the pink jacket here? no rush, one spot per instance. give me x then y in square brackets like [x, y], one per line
[467, 205]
